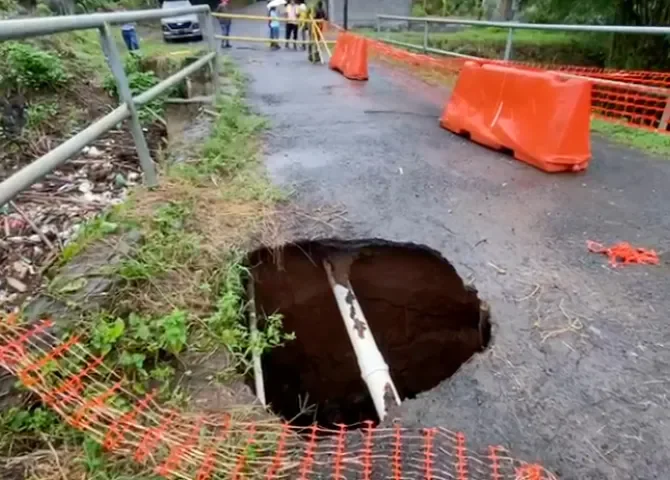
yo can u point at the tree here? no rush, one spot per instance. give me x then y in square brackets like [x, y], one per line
[625, 51]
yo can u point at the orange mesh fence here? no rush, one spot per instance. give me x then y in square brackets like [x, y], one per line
[442, 68]
[198, 446]
[641, 99]
[638, 98]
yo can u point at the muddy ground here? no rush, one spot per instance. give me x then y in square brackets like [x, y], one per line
[576, 374]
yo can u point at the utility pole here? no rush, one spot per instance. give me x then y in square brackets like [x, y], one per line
[346, 14]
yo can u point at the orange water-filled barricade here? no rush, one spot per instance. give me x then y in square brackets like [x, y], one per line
[350, 57]
[542, 118]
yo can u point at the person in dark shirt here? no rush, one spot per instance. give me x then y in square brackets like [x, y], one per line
[319, 14]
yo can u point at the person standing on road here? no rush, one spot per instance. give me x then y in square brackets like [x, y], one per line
[224, 22]
[273, 23]
[303, 24]
[292, 23]
[319, 14]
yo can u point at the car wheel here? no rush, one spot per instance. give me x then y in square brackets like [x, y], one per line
[198, 38]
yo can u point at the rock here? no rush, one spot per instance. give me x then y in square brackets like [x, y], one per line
[120, 180]
[133, 176]
[17, 285]
[20, 268]
[85, 186]
[93, 152]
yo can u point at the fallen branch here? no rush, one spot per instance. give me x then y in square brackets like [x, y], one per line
[32, 225]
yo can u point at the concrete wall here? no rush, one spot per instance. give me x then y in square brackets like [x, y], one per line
[362, 13]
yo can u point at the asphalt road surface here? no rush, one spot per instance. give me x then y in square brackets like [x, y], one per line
[578, 370]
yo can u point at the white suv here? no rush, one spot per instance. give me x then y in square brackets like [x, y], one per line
[182, 26]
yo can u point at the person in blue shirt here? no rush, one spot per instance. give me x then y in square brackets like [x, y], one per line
[274, 28]
[130, 36]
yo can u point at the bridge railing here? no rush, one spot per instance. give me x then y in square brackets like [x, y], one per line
[33, 27]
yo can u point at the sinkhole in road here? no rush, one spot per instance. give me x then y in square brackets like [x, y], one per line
[425, 321]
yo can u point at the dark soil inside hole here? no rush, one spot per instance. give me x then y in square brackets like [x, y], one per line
[425, 321]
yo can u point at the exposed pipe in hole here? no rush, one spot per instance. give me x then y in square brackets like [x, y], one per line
[256, 358]
[374, 370]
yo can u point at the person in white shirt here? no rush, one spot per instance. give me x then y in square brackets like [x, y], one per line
[292, 23]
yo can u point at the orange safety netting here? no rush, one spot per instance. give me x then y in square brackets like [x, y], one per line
[621, 102]
[624, 253]
[618, 101]
[203, 446]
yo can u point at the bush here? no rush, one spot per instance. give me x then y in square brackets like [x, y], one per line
[43, 10]
[8, 6]
[39, 114]
[418, 10]
[139, 82]
[25, 67]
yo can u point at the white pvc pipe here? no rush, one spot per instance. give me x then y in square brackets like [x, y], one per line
[253, 328]
[374, 370]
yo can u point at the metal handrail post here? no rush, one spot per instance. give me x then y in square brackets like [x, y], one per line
[508, 45]
[425, 36]
[665, 118]
[207, 24]
[126, 97]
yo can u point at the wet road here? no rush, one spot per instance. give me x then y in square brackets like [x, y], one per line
[577, 374]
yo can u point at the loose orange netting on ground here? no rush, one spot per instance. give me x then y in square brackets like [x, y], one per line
[198, 446]
[624, 253]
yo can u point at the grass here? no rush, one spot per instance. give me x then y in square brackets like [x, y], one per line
[646, 141]
[188, 272]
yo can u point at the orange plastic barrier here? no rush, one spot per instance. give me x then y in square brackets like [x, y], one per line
[350, 57]
[337, 58]
[543, 119]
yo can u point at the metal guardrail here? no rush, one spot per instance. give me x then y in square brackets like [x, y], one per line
[511, 26]
[24, 28]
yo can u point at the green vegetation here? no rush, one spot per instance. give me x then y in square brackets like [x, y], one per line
[650, 142]
[184, 284]
[643, 52]
[181, 292]
[26, 67]
[140, 80]
[35, 76]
